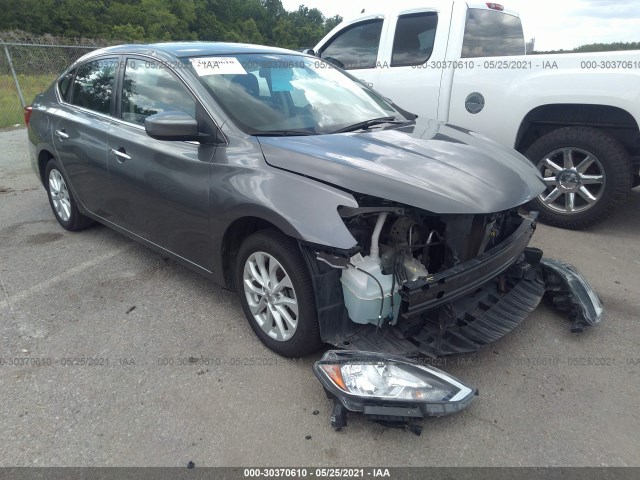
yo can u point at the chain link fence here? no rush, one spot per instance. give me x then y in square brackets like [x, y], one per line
[28, 66]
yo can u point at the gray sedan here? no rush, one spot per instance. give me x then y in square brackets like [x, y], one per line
[278, 175]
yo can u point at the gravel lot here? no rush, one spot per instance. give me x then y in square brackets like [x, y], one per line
[96, 294]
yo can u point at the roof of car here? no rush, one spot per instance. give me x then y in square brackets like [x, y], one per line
[196, 49]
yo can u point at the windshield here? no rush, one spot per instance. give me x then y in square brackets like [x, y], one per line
[275, 93]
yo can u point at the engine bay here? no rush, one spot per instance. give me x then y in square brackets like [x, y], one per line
[400, 245]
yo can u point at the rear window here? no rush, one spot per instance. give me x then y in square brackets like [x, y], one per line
[64, 84]
[93, 85]
[489, 33]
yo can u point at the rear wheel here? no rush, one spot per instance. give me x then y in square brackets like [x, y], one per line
[277, 294]
[587, 173]
[61, 199]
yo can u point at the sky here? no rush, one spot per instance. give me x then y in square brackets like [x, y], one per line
[555, 24]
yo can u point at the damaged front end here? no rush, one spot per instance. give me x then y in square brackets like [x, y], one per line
[433, 285]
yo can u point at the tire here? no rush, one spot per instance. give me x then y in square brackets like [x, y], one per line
[63, 205]
[270, 248]
[598, 176]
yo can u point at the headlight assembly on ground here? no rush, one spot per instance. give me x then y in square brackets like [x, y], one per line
[389, 389]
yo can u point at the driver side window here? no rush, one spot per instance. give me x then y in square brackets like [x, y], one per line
[149, 88]
[355, 47]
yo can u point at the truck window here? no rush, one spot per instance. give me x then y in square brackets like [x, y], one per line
[489, 33]
[413, 41]
[355, 47]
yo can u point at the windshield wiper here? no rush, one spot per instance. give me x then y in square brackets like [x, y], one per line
[282, 133]
[370, 123]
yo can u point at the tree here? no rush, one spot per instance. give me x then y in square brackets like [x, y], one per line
[252, 21]
[598, 47]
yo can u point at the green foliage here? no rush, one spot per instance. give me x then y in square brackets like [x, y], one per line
[249, 21]
[10, 110]
[598, 47]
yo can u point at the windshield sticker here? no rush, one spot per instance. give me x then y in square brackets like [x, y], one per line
[281, 79]
[217, 66]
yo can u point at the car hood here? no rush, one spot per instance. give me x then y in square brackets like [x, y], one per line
[452, 172]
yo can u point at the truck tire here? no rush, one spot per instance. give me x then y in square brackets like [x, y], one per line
[587, 172]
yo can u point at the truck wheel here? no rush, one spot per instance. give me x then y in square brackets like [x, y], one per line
[588, 174]
[277, 294]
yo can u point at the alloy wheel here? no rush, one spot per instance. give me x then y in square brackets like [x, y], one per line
[270, 296]
[574, 178]
[59, 195]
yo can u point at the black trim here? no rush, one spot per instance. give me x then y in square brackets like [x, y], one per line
[424, 295]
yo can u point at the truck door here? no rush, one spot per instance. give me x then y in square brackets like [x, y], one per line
[356, 48]
[414, 56]
[488, 97]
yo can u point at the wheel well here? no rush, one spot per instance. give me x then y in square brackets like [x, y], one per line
[616, 122]
[43, 158]
[233, 238]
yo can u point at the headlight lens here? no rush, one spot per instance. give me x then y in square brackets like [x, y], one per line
[375, 376]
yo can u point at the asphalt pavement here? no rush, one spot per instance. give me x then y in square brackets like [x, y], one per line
[112, 355]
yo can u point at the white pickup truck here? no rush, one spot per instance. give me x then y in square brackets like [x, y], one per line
[575, 116]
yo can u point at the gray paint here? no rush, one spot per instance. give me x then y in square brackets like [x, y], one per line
[451, 173]
[180, 198]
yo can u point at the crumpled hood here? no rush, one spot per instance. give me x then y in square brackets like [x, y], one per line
[453, 172]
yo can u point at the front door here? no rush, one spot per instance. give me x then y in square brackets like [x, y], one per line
[160, 189]
[355, 49]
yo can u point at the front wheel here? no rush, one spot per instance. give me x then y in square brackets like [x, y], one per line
[587, 172]
[277, 294]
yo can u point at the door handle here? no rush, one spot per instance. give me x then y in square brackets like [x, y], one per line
[62, 134]
[120, 154]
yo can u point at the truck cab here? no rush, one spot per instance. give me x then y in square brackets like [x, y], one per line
[575, 116]
[400, 50]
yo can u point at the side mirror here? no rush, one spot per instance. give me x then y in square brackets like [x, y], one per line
[177, 126]
[309, 51]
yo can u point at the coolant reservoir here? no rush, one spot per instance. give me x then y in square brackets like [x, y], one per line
[362, 294]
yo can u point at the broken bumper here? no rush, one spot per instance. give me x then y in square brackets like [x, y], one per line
[481, 300]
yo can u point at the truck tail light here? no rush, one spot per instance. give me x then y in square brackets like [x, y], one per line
[27, 115]
[495, 6]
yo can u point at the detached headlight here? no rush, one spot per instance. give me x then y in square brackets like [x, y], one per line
[388, 388]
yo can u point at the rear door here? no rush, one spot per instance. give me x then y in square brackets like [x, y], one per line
[80, 130]
[159, 189]
[481, 97]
